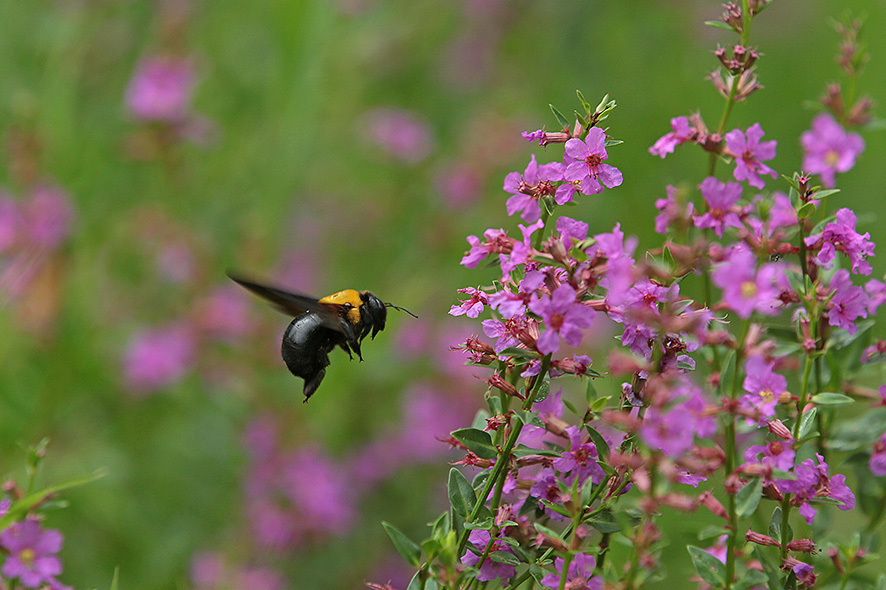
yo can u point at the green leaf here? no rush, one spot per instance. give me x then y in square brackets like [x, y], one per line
[604, 522]
[775, 525]
[709, 568]
[558, 508]
[522, 450]
[543, 390]
[461, 495]
[519, 353]
[599, 442]
[403, 544]
[478, 442]
[718, 24]
[561, 119]
[770, 568]
[750, 579]
[748, 498]
[831, 399]
[421, 581]
[504, 557]
[495, 406]
[529, 418]
[115, 581]
[807, 423]
[590, 392]
[23, 505]
[825, 193]
[548, 531]
[807, 211]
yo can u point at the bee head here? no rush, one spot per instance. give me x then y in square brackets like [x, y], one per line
[373, 314]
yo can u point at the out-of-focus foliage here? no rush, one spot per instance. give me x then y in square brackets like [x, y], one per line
[323, 145]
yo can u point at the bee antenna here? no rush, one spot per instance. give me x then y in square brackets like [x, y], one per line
[401, 309]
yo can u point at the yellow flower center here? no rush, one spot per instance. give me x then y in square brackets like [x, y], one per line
[27, 556]
[832, 157]
[748, 289]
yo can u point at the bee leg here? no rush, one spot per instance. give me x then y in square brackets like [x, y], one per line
[312, 383]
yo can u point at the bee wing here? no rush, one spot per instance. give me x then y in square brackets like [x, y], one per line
[294, 304]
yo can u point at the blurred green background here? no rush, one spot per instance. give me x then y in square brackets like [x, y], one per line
[327, 145]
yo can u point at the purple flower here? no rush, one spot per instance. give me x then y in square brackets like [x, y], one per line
[403, 134]
[764, 386]
[533, 136]
[584, 163]
[563, 316]
[749, 153]
[579, 576]
[160, 89]
[473, 306]
[682, 132]
[840, 235]
[848, 303]
[490, 569]
[746, 288]
[528, 189]
[571, 229]
[155, 358]
[580, 461]
[671, 210]
[877, 462]
[829, 149]
[876, 291]
[495, 238]
[778, 454]
[32, 553]
[813, 482]
[520, 251]
[721, 199]
[546, 486]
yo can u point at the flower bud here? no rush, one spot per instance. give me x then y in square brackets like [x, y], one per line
[761, 539]
[805, 545]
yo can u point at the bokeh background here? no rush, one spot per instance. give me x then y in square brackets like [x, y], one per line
[149, 146]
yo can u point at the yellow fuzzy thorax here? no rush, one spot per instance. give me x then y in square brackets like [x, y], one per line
[344, 297]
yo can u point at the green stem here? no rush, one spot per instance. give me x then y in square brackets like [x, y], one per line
[498, 470]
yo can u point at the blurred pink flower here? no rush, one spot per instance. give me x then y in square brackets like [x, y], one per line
[158, 357]
[160, 89]
[224, 314]
[403, 134]
[320, 489]
[175, 262]
[10, 220]
[46, 217]
[459, 184]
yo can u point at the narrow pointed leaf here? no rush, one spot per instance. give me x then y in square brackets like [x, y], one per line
[561, 119]
[709, 568]
[748, 498]
[478, 442]
[403, 544]
[461, 495]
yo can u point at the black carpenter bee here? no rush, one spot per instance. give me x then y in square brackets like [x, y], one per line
[342, 319]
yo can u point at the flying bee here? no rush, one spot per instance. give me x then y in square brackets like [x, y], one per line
[342, 319]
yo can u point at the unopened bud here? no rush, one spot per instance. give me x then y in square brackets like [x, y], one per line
[761, 539]
[780, 430]
[805, 545]
[707, 500]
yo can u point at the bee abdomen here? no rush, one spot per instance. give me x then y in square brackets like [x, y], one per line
[305, 349]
